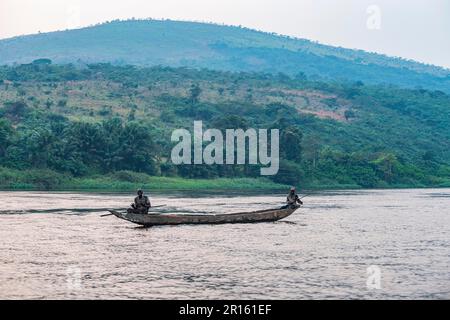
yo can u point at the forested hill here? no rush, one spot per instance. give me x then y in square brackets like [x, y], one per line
[60, 121]
[200, 45]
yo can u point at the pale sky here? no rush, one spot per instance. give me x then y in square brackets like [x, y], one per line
[414, 29]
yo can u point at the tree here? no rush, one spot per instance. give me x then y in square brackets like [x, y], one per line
[62, 103]
[349, 114]
[5, 136]
[42, 61]
[194, 92]
[137, 149]
[429, 156]
[385, 164]
[300, 76]
[230, 122]
[289, 173]
[311, 148]
[15, 110]
[290, 143]
[87, 143]
[37, 145]
[131, 115]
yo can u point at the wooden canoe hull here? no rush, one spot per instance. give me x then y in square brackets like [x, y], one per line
[175, 219]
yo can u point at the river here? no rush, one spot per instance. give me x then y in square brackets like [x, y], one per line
[378, 244]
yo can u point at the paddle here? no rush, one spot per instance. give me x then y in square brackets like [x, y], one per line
[104, 215]
[110, 214]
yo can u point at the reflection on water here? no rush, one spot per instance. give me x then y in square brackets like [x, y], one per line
[56, 245]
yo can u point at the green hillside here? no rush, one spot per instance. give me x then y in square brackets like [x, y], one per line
[88, 126]
[199, 45]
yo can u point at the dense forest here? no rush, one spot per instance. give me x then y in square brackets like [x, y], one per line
[63, 123]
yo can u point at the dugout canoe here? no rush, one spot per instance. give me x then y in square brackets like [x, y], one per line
[175, 219]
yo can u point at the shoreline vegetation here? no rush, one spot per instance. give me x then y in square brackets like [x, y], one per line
[48, 180]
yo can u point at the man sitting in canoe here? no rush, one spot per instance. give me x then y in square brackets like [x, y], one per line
[141, 204]
[292, 199]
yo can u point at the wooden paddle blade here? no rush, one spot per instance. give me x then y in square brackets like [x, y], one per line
[104, 215]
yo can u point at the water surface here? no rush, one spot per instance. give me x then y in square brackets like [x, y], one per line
[56, 246]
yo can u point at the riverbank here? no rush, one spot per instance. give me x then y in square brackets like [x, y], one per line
[47, 180]
[123, 181]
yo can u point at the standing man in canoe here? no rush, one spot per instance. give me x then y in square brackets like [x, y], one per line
[141, 204]
[292, 199]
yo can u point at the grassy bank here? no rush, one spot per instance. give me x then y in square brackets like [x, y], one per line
[123, 181]
[169, 183]
[11, 179]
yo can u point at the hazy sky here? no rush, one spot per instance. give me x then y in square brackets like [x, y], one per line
[415, 29]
